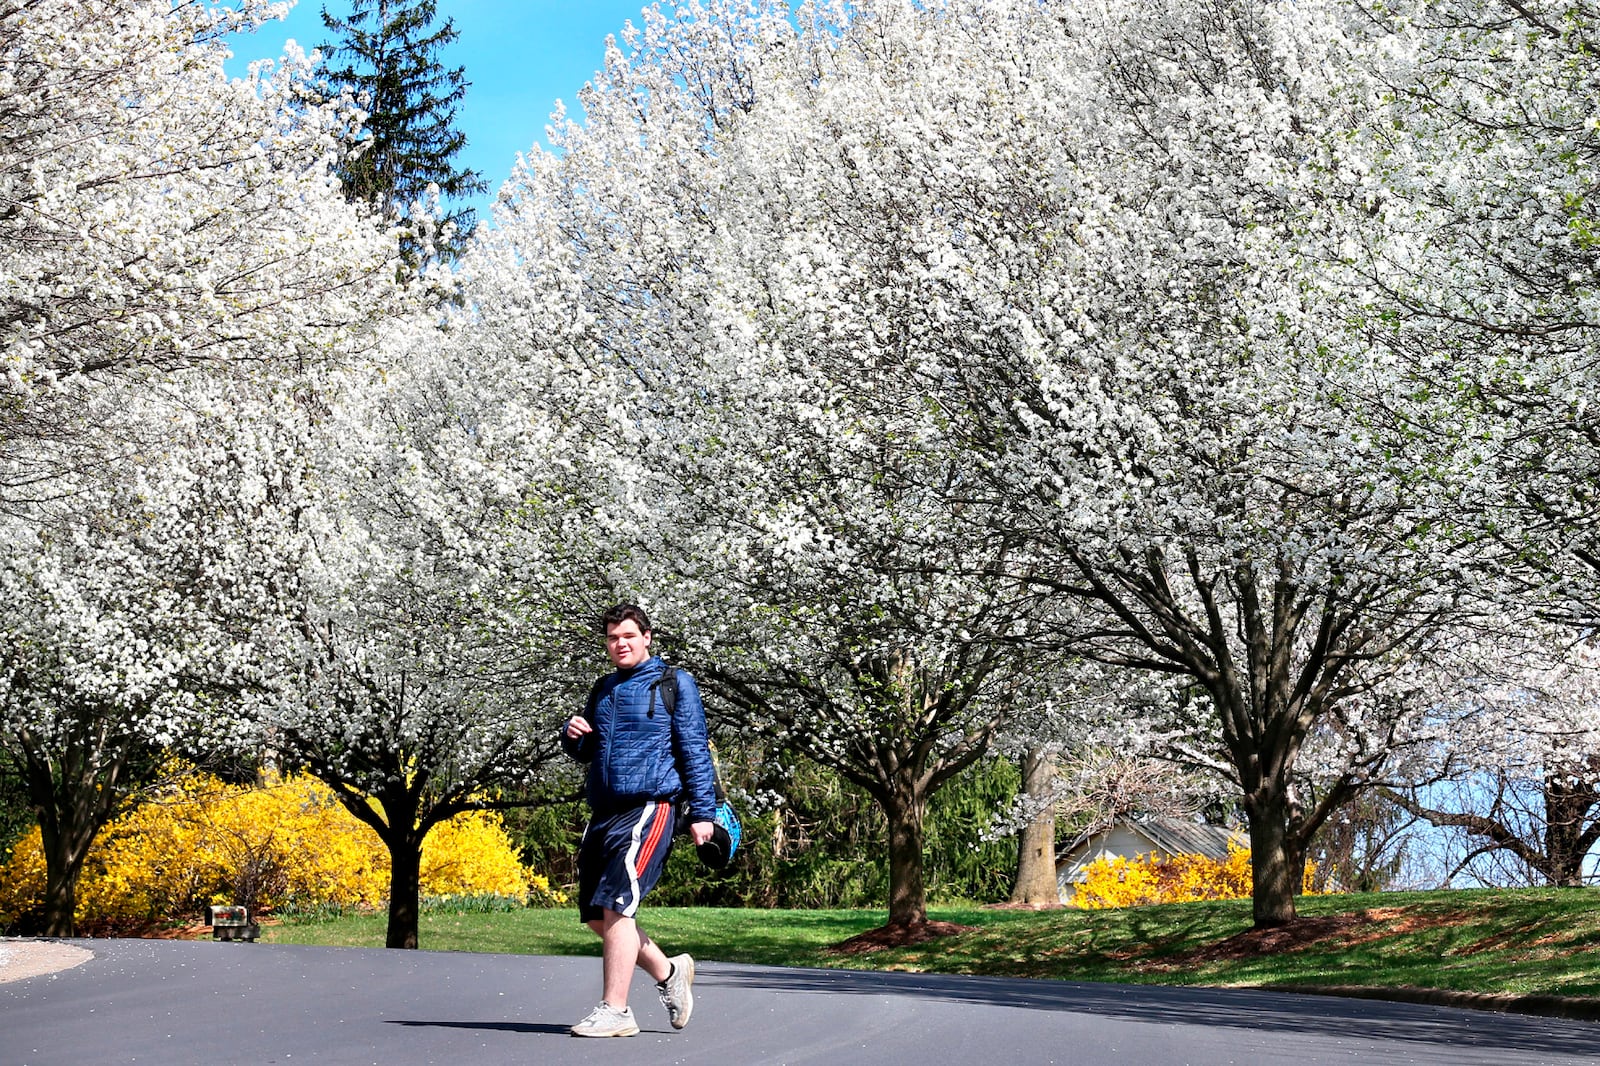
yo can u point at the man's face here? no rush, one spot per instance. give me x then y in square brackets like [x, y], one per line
[626, 645]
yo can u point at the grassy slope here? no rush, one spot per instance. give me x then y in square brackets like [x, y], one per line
[1540, 941]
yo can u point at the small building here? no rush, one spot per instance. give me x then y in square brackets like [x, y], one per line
[1129, 838]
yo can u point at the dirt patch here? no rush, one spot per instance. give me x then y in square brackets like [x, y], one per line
[896, 936]
[33, 958]
[193, 930]
[1299, 933]
[1404, 921]
[184, 929]
[1024, 907]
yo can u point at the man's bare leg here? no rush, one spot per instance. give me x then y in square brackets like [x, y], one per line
[623, 945]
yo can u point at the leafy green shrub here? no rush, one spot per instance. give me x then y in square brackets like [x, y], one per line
[470, 903]
[824, 845]
[959, 864]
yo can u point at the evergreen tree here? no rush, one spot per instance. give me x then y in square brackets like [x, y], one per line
[389, 55]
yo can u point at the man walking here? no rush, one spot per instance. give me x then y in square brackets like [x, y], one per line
[644, 754]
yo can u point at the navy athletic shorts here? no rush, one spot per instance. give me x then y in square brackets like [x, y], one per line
[621, 858]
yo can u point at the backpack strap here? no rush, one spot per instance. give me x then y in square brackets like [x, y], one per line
[667, 693]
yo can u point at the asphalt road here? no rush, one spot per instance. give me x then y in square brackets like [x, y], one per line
[204, 1002]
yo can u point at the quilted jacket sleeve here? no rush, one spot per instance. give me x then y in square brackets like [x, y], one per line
[690, 751]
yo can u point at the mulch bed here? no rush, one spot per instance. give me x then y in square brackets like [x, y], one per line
[1358, 927]
[1297, 934]
[896, 936]
[1303, 932]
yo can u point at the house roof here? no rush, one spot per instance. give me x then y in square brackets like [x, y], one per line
[1178, 837]
[1173, 836]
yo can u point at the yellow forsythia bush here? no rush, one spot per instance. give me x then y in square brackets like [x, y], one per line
[22, 877]
[471, 854]
[205, 842]
[1121, 882]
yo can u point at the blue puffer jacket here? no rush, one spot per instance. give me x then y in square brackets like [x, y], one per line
[637, 753]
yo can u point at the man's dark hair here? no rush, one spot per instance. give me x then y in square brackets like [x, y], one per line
[625, 612]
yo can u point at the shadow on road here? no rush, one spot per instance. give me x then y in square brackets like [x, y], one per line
[1223, 1008]
[504, 1027]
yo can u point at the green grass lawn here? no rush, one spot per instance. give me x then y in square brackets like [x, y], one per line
[1535, 941]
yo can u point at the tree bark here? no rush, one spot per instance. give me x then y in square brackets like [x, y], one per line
[1568, 831]
[63, 862]
[905, 808]
[405, 890]
[1036, 844]
[74, 791]
[1273, 877]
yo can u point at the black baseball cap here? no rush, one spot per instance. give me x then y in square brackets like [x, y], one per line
[716, 852]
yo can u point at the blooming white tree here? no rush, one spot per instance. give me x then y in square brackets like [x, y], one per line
[801, 516]
[125, 606]
[437, 612]
[157, 215]
[1081, 246]
[177, 254]
[1480, 174]
[1514, 767]
[1476, 181]
[1167, 394]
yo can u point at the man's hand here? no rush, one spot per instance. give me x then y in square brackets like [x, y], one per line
[700, 832]
[577, 726]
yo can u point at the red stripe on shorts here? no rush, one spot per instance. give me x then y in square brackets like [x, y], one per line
[647, 849]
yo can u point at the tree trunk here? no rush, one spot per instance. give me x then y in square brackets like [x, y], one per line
[1036, 844]
[908, 900]
[73, 798]
[1273, 876]
[1294, 860]
[405, 890]
[1567, 804]
[63, 864]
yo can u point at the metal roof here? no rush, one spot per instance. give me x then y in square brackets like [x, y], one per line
[1178, 837]
[1173, 836]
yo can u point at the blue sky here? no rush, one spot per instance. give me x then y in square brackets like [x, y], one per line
[520, 56]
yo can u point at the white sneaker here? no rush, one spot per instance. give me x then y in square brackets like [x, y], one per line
[606, 1020]
[675, 992]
